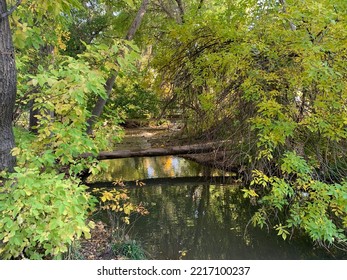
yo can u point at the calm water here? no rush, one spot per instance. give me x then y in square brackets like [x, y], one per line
[197, 219]
[130, 169]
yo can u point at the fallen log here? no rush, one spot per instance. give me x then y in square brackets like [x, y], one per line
[165, 151]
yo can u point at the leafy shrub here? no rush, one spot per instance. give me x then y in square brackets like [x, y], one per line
[60, 97]
[317, 208]
[129, 249]
[134, 101]
[119, 208]
[42, 214]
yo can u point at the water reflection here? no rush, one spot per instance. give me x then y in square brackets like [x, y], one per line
[208, 222]
[130, 169]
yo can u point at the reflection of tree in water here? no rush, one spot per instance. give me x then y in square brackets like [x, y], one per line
[208, 222]
[190, 218]
[148, 167]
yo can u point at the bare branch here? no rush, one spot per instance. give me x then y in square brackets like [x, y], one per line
[10, 11]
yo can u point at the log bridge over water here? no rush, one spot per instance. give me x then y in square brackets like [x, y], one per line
[163, 151]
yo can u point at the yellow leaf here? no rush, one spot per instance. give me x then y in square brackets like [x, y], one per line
[87, 235]
[252, 193]
[126, 220]
[16, 151]
[91, 224]
[6, 239]
[106, 196]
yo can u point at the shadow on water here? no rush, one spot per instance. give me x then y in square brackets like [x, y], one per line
[199, 220]
[131, 169]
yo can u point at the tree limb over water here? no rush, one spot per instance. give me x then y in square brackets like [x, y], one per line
[164, 151]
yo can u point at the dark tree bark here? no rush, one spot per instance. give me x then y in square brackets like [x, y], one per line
[8, 81]
[33, 120]
[100, 103]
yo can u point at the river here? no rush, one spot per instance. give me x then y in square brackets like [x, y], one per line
[196, 214]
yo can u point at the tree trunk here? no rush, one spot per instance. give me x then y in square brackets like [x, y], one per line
[100, 103]
[8, 80]
[181, 10]
[137, 21]
[154, 152]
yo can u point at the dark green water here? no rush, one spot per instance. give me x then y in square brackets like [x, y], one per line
[199, 220]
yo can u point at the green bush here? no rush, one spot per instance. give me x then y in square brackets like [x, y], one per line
[129, 249]
[134, 101]
[296, 200]
[42, 214]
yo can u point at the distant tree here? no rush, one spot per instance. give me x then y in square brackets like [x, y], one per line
[100, 103]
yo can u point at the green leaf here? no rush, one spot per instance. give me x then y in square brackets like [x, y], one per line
[130, 3]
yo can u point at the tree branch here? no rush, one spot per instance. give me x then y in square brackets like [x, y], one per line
[10, 11]
[291, 24]
[137, 21]
[181, 10]
[100, 104]
[165, 9]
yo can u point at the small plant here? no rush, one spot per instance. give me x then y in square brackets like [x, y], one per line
[129, 249]
[118, 207]
[74, 252]
[116, 203]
